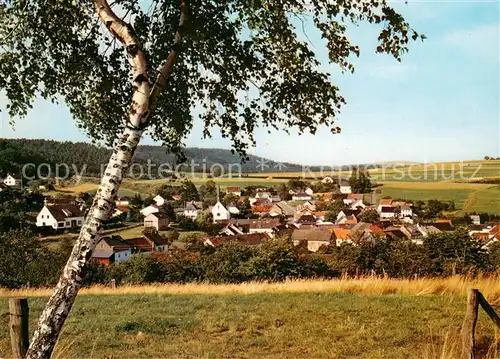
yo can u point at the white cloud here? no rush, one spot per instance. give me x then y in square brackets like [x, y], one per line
[481, 41]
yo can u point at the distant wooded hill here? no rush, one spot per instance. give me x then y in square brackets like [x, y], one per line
[15, 153]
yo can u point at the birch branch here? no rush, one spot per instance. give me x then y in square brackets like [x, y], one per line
[167, 67]
[125, 33]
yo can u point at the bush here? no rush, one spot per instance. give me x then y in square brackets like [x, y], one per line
[494, 256]
[228, 264]
[172, 236]
[179, 267]
[96, 273]
[138, 269]
[24, 260]
[275, 260]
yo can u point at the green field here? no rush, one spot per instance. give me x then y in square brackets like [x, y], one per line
[459, 196]
[468, 197]
[487, 200]
[268, 325]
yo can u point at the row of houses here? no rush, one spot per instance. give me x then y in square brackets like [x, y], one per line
[301, 209]
[114, 249]
[254, 232]
[486, 233]
[315, 235]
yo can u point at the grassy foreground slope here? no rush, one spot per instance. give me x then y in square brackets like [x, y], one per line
[323, 320]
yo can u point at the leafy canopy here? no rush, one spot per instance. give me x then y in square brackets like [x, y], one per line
[241, 63]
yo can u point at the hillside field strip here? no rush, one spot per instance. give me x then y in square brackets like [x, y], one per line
[468, 197]
[415, 172]
[366, 318]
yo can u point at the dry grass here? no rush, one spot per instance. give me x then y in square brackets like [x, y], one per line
[345, 318]
[489, 286]
[451, 348]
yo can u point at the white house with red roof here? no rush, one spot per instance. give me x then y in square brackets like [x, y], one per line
[353, 197]
[60, 216]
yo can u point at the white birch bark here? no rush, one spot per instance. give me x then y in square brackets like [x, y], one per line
[143, 99]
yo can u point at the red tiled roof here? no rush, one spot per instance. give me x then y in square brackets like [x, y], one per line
[495, 229]
[252, 239]
[233, 189]
[351, 220]
[385, 202]
[481, 236]
[377, 230]
[326, 195]
[262, 208]
[341, 233]
[139, 242]
[443, 221]
[147, 241]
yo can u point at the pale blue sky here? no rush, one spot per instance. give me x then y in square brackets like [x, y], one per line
[441, 103]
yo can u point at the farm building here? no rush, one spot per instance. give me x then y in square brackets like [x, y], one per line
[158, 221]
[315, 238]
[111, 250]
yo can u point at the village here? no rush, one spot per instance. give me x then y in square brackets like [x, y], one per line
[249, 179]
[333, 215]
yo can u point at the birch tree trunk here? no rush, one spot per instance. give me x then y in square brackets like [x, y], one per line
[143, 99]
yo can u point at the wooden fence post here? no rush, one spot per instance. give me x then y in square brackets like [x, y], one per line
[19, 324]
[488, 309]
[469, 325]
[113, 283]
